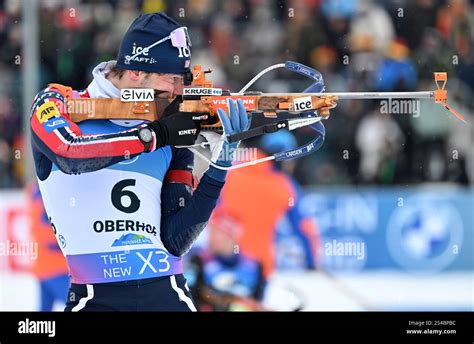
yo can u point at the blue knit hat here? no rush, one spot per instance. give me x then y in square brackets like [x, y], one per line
[155, 43]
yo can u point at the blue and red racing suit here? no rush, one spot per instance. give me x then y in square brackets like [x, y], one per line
[118, 215]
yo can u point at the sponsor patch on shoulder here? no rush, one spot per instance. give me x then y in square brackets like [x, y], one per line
[46, 111]
[55, 123]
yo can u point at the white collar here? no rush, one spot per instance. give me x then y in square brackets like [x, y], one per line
[100, 87]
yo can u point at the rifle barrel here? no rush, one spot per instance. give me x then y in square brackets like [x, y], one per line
[359, 95]
[381, 95]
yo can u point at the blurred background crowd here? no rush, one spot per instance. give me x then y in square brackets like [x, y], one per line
[358, 45]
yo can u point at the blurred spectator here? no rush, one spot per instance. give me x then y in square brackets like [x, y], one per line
[221, 277]
[336, 20]
[371, 31]
[296, 236]
[413, 18]
[455, 22]
[267, 190]
[461, 155]
[302, 33]
[125, 12]
[263, 39]
[396, 72]
[378, 139]
[432, 157]
[50, 267]
[432, 55]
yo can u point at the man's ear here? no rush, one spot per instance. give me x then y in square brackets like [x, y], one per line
[134, 75]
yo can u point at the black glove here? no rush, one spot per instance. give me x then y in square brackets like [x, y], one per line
[173, 107]
[178, 129]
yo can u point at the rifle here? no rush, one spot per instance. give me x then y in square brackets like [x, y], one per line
[270, 112]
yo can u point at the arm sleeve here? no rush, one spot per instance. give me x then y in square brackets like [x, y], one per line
[55, 136]
[183, 214]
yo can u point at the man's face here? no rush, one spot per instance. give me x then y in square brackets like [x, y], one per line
[166, 85]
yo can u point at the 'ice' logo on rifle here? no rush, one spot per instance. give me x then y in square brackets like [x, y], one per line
[303, 103]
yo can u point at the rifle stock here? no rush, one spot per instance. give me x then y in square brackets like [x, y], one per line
[272, 107]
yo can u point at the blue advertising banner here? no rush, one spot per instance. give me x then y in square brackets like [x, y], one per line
[413, 229]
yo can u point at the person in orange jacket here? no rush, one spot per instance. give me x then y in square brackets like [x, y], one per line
[264, 197]
[50, 266]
